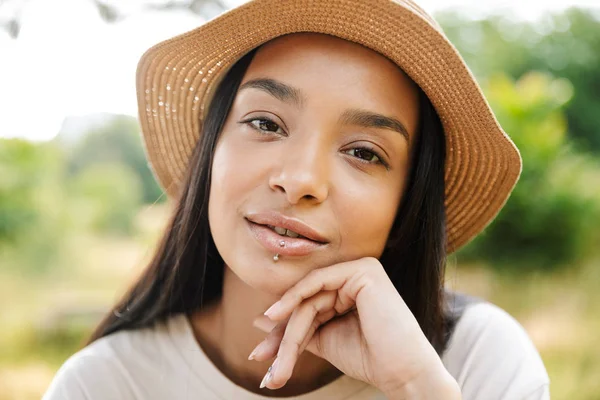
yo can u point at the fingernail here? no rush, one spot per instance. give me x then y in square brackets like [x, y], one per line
[255, 351]
[251, 356]
[268, 375]
[267, 378]
[273, 309]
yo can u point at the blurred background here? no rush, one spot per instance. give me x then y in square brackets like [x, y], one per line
[80, 210]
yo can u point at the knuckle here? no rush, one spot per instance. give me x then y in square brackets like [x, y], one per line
[297, 297]
[314, 274]
[314, 308]
[370, 266]
[290, 345]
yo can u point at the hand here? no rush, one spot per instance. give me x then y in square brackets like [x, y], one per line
[351, 315]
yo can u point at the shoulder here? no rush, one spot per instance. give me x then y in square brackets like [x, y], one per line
[91, 373]
[83, 376]
[491, 356]
[110, 367]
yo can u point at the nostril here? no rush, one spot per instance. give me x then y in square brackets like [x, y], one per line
[279, 188]
[299, 187]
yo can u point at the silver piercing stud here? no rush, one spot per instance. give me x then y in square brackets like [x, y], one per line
[282, 244]
[276, 257]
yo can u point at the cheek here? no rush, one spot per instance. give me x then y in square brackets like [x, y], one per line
[366, 219]
[226, 194]
[224, 177]
[235, 171]
[236, 179]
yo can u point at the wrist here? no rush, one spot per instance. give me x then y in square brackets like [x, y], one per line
[438, 384]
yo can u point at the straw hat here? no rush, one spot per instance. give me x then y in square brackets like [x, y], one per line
[176, 78]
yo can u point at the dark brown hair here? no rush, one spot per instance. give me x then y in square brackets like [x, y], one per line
[187, 270]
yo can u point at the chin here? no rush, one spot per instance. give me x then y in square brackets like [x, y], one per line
[265, 275]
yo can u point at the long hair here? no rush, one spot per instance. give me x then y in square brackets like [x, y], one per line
[186, 271]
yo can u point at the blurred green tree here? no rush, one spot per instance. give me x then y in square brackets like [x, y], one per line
[551, 217]
[31, 204]
[105, 198]
[117, 141]
[565, 44]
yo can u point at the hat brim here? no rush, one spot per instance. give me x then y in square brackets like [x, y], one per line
[176, 78]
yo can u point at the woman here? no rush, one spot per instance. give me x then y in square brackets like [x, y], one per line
[324, 156]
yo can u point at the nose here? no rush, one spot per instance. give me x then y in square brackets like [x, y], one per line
[303, 174]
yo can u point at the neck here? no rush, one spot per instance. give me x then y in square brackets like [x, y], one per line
[225, 332]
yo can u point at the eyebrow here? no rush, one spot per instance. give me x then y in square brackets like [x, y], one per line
[279, 90]
[364, 118]
[368, 119]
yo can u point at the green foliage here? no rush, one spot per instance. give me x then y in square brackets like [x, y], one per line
[116, 141]
[549, 219]
[52, 345]
[18, 176]
[566, 45]
[31, 212]
[106, 198]
[48, 190]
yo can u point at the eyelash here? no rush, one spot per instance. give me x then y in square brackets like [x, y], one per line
[367, 148]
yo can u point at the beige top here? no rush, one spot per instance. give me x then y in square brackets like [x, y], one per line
[489, 355]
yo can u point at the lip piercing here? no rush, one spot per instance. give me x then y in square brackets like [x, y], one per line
[276, 256]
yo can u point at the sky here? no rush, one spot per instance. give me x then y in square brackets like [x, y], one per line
[63, 66]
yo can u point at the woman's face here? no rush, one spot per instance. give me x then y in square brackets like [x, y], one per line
[318, 141]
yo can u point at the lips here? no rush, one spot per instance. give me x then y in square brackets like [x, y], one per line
[271, 241]
[260, 225]
[276, 219]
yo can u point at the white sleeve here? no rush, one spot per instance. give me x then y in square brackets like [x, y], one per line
[88, 376]
[543, 393]
[492, 358]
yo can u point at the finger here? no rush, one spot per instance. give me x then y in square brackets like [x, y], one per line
[321, 344]
[315, 344]
[299, 330]
[320, 319]
[263, 323]
[268, 348]
[347, 278]
[266, 325]
[307, 318]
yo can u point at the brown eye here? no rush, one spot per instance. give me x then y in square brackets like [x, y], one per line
[264, 125]
[365, 154]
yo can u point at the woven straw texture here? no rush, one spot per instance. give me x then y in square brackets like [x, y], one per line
[175, 80]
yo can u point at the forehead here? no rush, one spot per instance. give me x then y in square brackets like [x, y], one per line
[331, 69]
